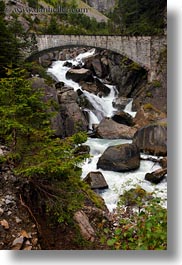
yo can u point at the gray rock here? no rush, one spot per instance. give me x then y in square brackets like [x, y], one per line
[152, 139]
[109, 129]
[123, 118]
[96, 180]
[78, 75]
[86, 229]
[120, 158]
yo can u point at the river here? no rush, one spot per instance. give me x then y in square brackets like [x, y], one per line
[117, 182]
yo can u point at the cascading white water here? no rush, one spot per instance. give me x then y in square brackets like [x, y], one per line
[103, 105]
[117, 182]
[128, 109]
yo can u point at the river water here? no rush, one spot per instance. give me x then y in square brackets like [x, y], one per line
[117, 182]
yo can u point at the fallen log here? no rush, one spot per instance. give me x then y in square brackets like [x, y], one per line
[156, 176]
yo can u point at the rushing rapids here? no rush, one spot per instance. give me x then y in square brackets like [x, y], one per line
[117, 182]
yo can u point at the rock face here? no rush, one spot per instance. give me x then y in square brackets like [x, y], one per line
[109, 129]
[127, 80]
[96, 180]
[152, 139]
[120, 158]
[101, 5]
[148, 114]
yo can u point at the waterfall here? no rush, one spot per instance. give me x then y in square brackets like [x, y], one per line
[117, 182]
[128, 109]
[102, 105]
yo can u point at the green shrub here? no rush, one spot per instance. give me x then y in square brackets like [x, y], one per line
[142, 229]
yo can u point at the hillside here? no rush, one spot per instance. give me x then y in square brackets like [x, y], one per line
[83, 20]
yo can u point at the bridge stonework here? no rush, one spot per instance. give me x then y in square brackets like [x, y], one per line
[144, 50]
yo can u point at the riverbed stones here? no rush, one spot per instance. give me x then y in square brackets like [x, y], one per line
[109, 129]
[120, 158]
[96, 180]
[152, 139]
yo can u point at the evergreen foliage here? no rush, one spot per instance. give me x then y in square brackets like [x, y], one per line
[139, 17]
[51, 165]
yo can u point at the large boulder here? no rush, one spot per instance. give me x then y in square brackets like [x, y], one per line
[123, 118]
[84, 225]
[120, 158]
[78, 75]
[152, 139]
[96, 180]
[109, 129]
[73, 118]
[96, 87]
[98, 64]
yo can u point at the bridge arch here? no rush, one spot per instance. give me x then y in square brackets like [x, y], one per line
[144, 50]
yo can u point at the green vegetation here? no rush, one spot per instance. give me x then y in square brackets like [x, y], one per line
[139, 17]
[49, 164]
[141, 225]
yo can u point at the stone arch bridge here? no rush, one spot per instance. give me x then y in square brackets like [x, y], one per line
[144, 50]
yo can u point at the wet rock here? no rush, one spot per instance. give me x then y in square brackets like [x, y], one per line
[123, 118]
[120, 158]
[163, 162]
[68, 64]
[152, 139]
[109, 129]
[96, 180]
[59, 85]
[156, 176]
[120, 103]
[78, 75]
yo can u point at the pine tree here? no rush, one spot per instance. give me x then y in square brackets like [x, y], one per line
[22, 110]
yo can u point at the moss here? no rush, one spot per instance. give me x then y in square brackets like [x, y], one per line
[134, 196]
[149, 94]
[149, 106]
[156, 83]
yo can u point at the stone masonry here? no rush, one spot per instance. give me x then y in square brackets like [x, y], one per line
[144, 50]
